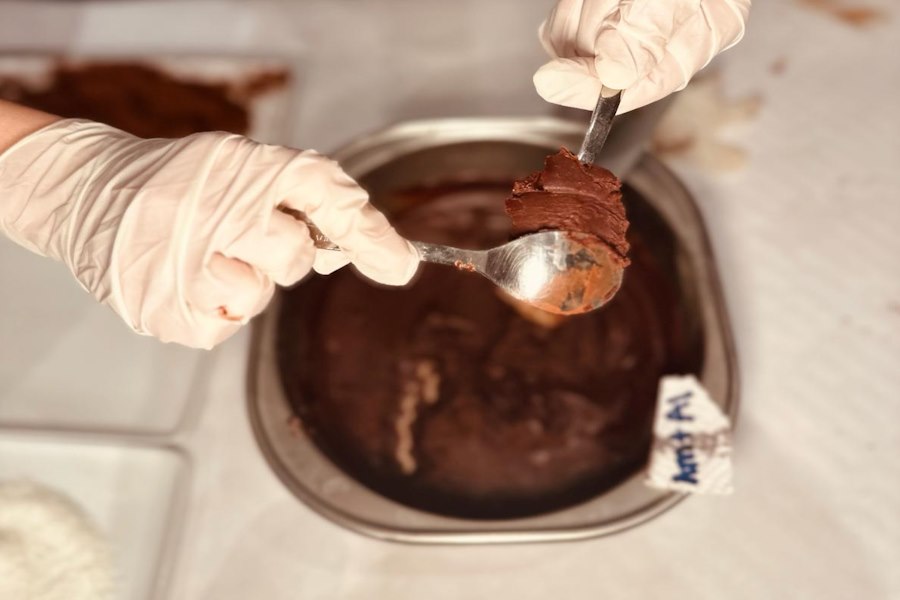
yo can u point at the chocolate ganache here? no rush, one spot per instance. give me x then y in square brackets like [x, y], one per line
[571, 196]
[447, 397]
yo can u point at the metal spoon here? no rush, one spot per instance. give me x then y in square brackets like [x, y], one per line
[601, 122]
[556, 271]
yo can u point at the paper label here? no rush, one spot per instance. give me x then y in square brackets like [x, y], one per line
[691, 440]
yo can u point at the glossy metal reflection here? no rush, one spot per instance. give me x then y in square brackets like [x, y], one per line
[559, 272]
[555, 271]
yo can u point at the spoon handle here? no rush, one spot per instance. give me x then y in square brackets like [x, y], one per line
[320, 240]
[448, 255]
[433, 253]
[601, 121]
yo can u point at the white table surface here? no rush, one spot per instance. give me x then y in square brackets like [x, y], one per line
[807, 242]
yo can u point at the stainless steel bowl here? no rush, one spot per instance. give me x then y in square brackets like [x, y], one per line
[433, 152]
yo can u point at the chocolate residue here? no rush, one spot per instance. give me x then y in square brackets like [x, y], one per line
[591, 277]
[258, 85]
[295, 426]
[464, 266]
[529, 416]
[854, 16]
[778, 66]
[143, 100]
[572, 197]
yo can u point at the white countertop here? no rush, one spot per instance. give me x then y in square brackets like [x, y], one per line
[806, 237]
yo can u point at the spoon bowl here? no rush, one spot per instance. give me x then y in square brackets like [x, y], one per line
[556, 271]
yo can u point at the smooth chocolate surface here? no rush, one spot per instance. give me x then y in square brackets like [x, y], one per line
[570, 196]
[451, 399]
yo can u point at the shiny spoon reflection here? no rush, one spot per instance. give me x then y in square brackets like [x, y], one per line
[555, 271]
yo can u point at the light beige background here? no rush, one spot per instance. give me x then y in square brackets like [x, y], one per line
[810, 256]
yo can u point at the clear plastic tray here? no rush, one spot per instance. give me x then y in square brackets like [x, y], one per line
[68, 363]
[70, 369]
[133, 494]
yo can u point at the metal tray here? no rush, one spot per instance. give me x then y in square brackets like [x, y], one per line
[432, 152]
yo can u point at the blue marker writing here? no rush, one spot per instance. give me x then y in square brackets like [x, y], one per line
[681, 402]
[684, 457]
[684, 453]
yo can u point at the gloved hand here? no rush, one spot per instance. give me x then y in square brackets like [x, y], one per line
[648, 48]
[182, 237]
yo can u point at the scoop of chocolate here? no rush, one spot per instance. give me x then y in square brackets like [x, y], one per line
[570, 196]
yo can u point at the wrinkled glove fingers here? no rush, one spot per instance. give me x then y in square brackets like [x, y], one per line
[341, 210]
[571, 28]
[619, 51]
[325, 261]
[284, 252]
[231, 290]
[688, 51]
[730, 17]
[647, 48]
[666, 78]
[569, 82]
[630, 47]
[694, 44]
[329, 261]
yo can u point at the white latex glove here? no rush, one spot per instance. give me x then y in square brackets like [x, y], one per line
[648, 48]
[182, 237]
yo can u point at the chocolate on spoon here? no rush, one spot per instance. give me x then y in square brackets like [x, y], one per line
[571, 251]
[557, 271]
[584, 201]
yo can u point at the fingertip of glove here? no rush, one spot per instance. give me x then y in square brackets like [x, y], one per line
[329, 261]
[223, 298]
[568, 83]
[393, 266]
[630, 102]
[409, 270]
